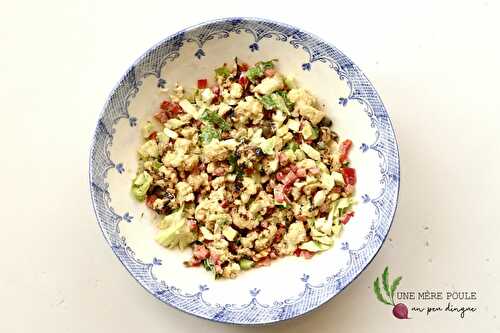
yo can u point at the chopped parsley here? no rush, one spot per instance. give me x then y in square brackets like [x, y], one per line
[258, 71]
[268, 102]
[222, 71]
[213, 118]
[292, 145]
[235, 168]
[208, 133]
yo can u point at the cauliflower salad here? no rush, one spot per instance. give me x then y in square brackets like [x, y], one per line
[244, 171]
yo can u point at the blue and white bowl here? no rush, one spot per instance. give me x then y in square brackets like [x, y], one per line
[290, 286]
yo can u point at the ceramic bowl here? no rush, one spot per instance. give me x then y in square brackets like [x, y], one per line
[291, 286]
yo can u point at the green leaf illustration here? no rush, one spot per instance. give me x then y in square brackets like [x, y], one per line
[394, 286]
[385, 281]
[378, 293]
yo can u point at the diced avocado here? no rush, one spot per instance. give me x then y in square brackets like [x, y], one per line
[290, 155]
[339, 179]
[282, 131]
[147, 130]
[189, 108]
[293, 125]
[279, 118]
[267, 145]
[177, 232]
[290, 81]
[273, 165]
[323, 225]
[307, 130]
[141, 184]
[170, 219]
[326, 240]
[296, 233]
[337, 227]
[207, 234]
[293, 146]
[229, 233]
[322, 167]
[174, 123]
[343, 203]
[163, 170]
[171, 134]
[315, 133]
[157, 164]
[310, 151]
[162, 138]
[246, 264]
[313, 246]
[327, 181]
[149, 149]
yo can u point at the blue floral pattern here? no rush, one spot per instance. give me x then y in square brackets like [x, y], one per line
[252, 312]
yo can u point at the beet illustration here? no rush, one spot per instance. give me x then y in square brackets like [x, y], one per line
[399, 310]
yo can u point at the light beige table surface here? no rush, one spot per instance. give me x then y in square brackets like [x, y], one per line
[435, 64]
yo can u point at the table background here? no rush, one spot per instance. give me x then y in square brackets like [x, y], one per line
[435, 65]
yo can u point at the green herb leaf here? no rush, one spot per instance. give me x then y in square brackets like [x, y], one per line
[235, 168]
[208, 133]
[209, 266]
[280, 103]
[266, 64]
[157, 164]
[222, 71]
[394, 286]
[213, 118]
[268, 102]
[385, 281]
[315, 133]
[254, 73]
[378, 293]
[292, 145]
[284, 94]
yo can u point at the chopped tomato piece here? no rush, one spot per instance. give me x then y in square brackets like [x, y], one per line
[243, 81]
[264, 262]
[301, 172]
[337, 189]
[176, 108]
[200, 252]
[297, 252]
[161, 116]
[287, 189]
[202, 83]
[290, 178]
[280, 176]
[344, 150]
[192, 224]
[150, 200]
[269, 72]
[216, 90]
[165, 105]
[314, 171]
[282, 158]
[347, 217]
[243, 67]
[278, 194]
[349, 175]
[306, 254]
[152, 136]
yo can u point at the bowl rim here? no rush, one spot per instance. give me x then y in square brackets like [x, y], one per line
[317, 39]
